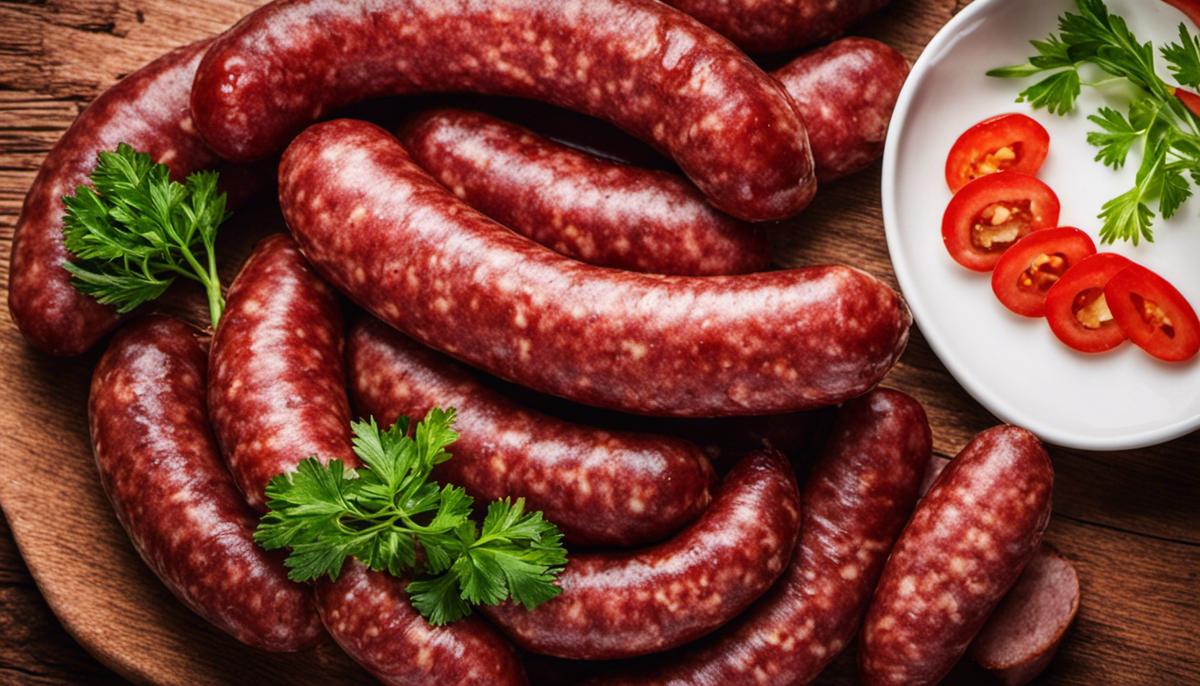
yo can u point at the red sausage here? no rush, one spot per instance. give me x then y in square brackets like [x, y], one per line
[148, 110]
[159, 466]
[1020, 638]
[277, 393]
[370, 616]
[846, 92]
[856, 501]
[601, 212]
[966, 544]
[387, 235]
[631, 603]
[598, 487]
[778, 25]
[649, 69]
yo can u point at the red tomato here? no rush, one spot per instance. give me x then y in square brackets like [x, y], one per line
[992, 213]
[1077, 309]
[1153, 314]
[1027, 271]
[1007, 142]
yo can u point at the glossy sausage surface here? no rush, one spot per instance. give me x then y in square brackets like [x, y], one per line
[651, 70]
[159, 465]
[599, 487]
[385, 233]
[277, 392]
[966, 544]
[370, 616]
[623, 604]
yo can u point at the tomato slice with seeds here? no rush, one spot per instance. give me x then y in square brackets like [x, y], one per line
[1077, 309]
[992, 213]
[1027, 271]
[1153, 314]
[1006, 142]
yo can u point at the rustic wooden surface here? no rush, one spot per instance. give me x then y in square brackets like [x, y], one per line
[1129, 521]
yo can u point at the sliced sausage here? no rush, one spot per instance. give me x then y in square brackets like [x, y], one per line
[277, 393]
[631, 603]
[777, 25]
[148, 110]
[846, 92]
[601, 212]
[1021, 637]
[159, 466]
[965, 546]
[371, 618]
[856, 500]
[649, 69]
[599, 487]
[386, 234]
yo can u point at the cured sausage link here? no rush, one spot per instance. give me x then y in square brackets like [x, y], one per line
[616, 605]
[778, 25]
[158, 464]
[966, 544]
[616, 215]
[595, 210]
[856, 500]
[386, 234]
[277, 392]
[846, 92]
[599, 487]
[649, 69]
[370, 616]
[148, 110]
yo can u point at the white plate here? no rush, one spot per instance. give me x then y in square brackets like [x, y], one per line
[1013, 365]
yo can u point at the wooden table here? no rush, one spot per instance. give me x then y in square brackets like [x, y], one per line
[1130, 521]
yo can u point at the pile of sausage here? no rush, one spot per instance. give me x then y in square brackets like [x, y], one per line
[469, 247]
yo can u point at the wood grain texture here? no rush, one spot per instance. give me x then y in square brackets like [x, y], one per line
[1129, 521]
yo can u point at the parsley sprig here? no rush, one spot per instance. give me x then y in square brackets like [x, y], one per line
[134, 231]
[1168, 133]
[393, 518]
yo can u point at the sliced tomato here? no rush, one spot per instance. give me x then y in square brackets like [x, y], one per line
[1027, 270]
[1077, 309]
[1153, 314]
[1007, 142]
[1189, 99]
[992, 213]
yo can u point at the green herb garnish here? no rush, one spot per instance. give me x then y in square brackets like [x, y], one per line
[389, 509]
[1168, 132]
[134, 231]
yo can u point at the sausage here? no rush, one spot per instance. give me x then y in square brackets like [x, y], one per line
[965, 545]
[1020, 638]
[649, 69]
[386, 234]
[370, 616]
[623, 604]
[277, 392]
[937, 464]
[855, 502]
[846, 92]
[158, 464]
[148, 110]
[599, 487]
[778, 25]
[601, 212]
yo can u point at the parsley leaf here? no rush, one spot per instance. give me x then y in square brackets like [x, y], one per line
[1057, 92]
[1183, 58]
[134, 231]
[1168, 134]
[1117, 137]
[388, 511]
